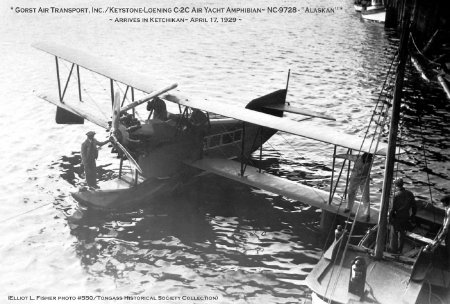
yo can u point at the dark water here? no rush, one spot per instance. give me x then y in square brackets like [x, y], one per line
[216, 238]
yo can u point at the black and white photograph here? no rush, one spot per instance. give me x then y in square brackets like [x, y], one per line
[218, 152]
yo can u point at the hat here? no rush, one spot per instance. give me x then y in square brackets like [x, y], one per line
[398, 182]
[90, 133]
[446, 200]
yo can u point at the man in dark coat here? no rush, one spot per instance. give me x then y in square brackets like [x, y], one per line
[403, 209]
[89, 154]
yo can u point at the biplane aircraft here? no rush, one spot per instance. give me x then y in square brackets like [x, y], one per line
[204, 136]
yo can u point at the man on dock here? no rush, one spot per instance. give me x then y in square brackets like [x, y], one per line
[89, 154]
[403, 210]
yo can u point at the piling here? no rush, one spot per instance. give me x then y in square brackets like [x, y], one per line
[327, 226]
[427, 17]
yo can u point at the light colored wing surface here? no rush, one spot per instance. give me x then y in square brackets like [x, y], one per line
[324, 133]
[144, 83]
[297, 110]
[99, 65]
[299, 192]
[78, 108]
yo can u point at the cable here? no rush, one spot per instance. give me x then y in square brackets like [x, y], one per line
[23, 213]
[425, 160]
[128, 100]
[418, 51]
[376, 148]
[87, 93]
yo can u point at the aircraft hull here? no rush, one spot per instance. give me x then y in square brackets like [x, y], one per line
[121, 193]
[168, 157]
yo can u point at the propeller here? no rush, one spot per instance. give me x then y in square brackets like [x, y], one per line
[116, 112]
[116, 142]
[116, 132]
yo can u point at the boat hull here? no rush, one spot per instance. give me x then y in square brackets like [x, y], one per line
[372, 8]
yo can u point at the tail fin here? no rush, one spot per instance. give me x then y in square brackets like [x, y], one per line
[268, 103]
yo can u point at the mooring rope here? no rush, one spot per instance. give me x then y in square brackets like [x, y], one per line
[23, 213]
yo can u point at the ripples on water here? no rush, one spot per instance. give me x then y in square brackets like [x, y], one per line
[218, 238]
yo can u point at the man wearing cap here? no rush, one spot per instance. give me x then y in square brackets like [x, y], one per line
[403, 209]
[89, 154]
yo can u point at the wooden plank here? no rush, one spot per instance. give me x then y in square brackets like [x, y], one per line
[419, 238]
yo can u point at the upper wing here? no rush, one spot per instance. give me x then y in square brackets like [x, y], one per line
[324, 134]
[99, 65]
[144, 83]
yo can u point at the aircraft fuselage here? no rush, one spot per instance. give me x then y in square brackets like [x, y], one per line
[164, 147]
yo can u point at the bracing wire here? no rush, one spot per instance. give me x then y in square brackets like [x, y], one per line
[87, 93]
[426, 168]
[128, 99]
[377, 143]
[418, 51]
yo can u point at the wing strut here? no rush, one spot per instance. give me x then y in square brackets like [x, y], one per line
[59, 81]
[63, 115]
[243, 164]
[67, 82]
[111, 84]
[79, 82]
[245, 158]
[115, 130]
[333, 187]
[62, 93]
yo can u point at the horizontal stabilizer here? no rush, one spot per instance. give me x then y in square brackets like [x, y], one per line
[78, 108]
[296, 110]
[281, 186]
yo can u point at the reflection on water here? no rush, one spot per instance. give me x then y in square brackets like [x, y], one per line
[214, 231]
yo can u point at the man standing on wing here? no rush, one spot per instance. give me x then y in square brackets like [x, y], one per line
[359, 179]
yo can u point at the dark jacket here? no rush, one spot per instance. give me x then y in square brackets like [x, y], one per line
[404, 201]
[89, 151]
